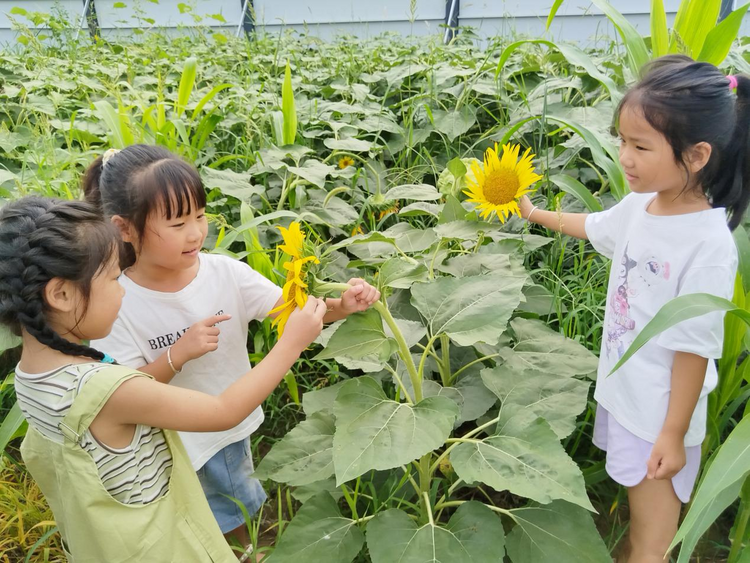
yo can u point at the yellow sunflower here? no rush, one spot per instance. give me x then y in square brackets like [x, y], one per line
[501, 181]
[392, 209]
[293, 293]
[345, 161]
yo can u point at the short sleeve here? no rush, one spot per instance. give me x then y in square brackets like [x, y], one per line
[702, 335]
[258, 293]
[604, 227]
[120, 345]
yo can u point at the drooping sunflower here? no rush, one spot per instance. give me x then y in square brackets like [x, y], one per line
[345, 161]
[500, 182]
[293, 293]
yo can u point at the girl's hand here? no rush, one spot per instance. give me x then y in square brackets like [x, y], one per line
[525, 206]
[359, 297]
[201, 338]
[667, 456]
[304, 325]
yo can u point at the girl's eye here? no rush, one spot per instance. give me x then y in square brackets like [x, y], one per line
[201, 216]
[178, 225]
[641, 148]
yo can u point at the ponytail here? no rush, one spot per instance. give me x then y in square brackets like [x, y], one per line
[732, 189]
[42, 239]
[135, 182]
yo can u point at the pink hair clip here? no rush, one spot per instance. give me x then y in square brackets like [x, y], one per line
[732, 82]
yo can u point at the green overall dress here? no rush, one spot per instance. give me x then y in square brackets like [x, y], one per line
[96, 528]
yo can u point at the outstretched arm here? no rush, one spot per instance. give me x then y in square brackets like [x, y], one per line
[573, 224]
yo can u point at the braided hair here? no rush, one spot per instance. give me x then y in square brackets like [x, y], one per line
[42, 239]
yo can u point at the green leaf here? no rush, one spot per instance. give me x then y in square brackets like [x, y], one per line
[720, 39]
[542, 349]
[527, 460]
[677, 310]
[318, 532]
[313, 171]
[118, 124]
[470, 309]
[321, 399]
[288, 108]
[730, 466]
[374, 432]
[659, 31]
[12, 422]
[477, 398]
[476, 264]
[454, 123]
[304, 455]
[359, 336]
[235, 184]
[574, 56]
[457, 168]
[699, 18]
[418, 192]
[400, 273]
[558, 400]
[466, 230]
[420, 208]
[558, 532]
[578, 190]
[636, 47]
[187, 81]
[553, 12]
[353, 145]
[8, 340]
[473, 535]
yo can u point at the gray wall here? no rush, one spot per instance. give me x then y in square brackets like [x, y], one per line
[329, 18]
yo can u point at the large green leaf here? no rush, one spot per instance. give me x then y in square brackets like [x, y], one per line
[477, 398]
[359, 336]
[418, 192]
[558, 532]
[399, 273]
[303, 456]
[542, 349]
[318, 532]
[454, 123]
[477, 264]
[677, 310]
[575, 188]
[313, 171]
[558, 400]
[351, 144]
[720, 39]
[730, 467]
[699, 18]
[8, 340]
[321, 399]
[187, 81]
[236, 184]
[659, 31]
[374, 432]
[470, 309]
[527, 460]
[473, 535]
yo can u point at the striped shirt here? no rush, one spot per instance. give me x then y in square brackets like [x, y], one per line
[136, 474]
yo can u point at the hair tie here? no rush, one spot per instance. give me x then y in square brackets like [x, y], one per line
[732, 82]
[107, 156]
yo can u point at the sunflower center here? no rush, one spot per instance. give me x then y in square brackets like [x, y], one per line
[501, 186]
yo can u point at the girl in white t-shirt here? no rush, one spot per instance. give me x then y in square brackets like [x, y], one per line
[185, 314]
[684, 150]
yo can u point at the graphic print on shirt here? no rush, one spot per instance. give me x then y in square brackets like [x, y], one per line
[634, 277]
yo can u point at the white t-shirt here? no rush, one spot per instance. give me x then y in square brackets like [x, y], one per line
[150, 321]
[655, 259]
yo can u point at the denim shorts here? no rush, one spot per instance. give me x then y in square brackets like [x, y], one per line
[228, 473]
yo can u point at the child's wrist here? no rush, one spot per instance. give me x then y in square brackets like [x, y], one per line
[178, 359]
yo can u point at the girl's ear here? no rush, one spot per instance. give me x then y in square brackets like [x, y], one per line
[127, 233]
[61, 295]
[698, 156]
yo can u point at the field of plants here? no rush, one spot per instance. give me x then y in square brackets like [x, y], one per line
[452, 421]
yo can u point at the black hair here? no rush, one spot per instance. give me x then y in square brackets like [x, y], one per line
[691, 102]
[42, 239]
[139, 180]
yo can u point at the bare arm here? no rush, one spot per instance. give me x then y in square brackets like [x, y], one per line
[572, 224]
[144, 401]
[668, 455]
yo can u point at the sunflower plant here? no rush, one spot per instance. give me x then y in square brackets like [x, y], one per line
[501, 181]
[459, 399]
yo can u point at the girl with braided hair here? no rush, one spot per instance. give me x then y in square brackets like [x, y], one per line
[101, 441]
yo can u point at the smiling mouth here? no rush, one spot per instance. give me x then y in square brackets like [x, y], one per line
[193, 251]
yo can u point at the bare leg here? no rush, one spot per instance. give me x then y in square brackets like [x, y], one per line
[654, 515]
[241, 535]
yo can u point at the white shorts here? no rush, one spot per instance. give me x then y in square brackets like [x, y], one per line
[628, 455]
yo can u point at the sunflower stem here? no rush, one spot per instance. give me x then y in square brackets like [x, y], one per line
[403, 347]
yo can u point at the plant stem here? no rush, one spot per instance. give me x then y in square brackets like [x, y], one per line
[456, 441]
[445, 364]
[462, 368]
[741, 523]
